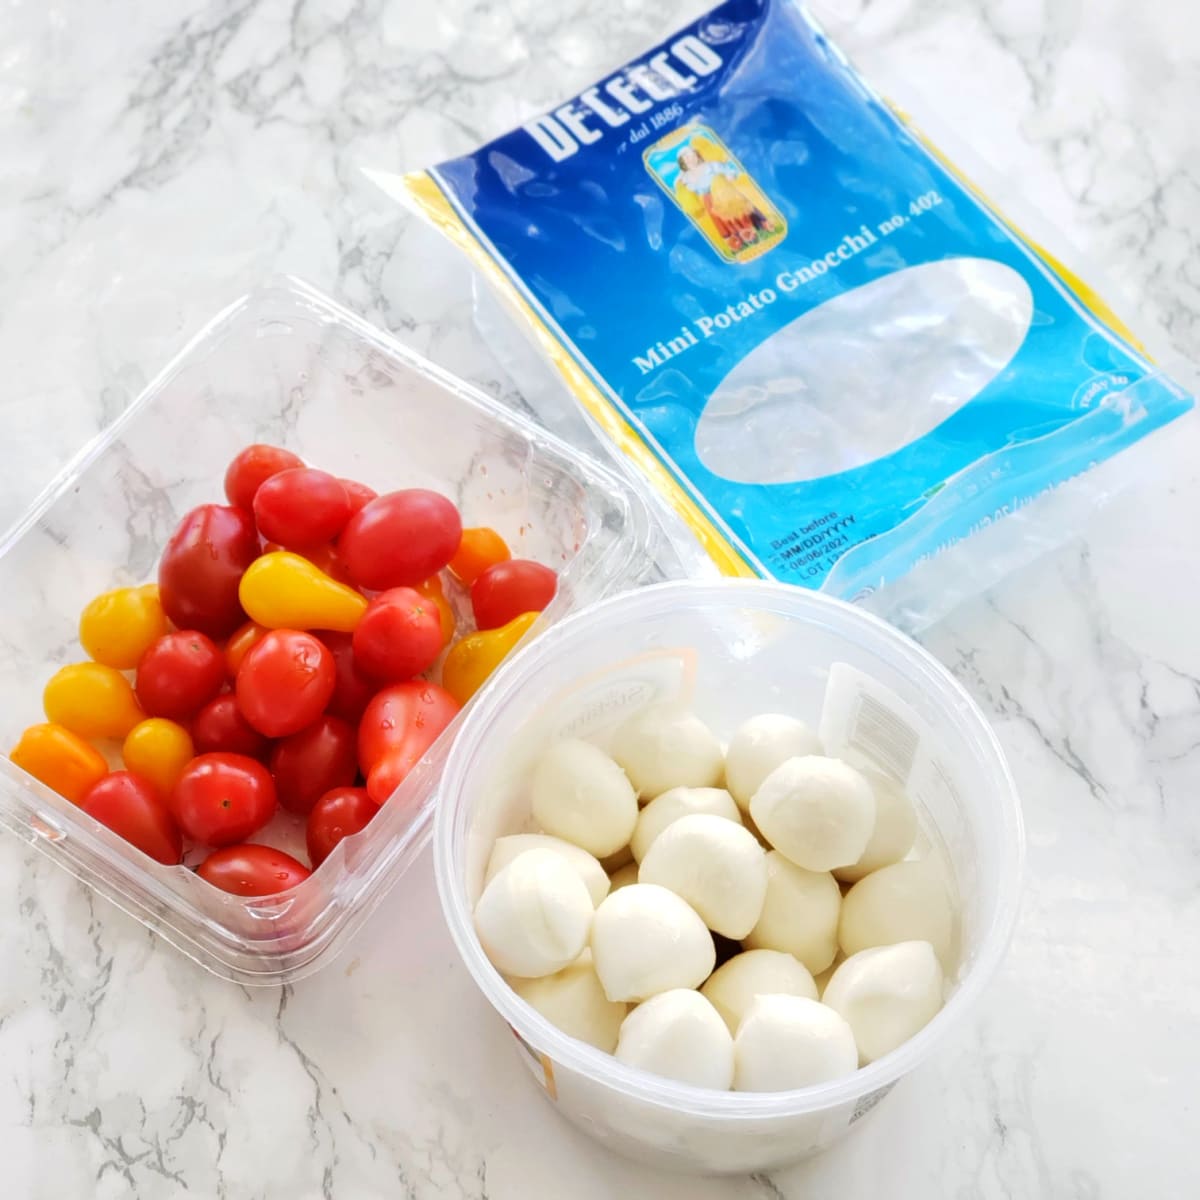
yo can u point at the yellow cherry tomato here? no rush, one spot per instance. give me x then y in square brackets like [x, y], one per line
[117, 628]
[432, 589]
[92, 700]
[62, 760]
[158, 750]
[281, 590]
[479, 549]
[469, 663]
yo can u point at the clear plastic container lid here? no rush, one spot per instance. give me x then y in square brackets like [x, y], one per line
[288, 366]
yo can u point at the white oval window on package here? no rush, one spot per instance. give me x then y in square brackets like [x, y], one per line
[866, 373]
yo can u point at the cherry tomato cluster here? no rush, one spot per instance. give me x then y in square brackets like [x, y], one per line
[298, 650]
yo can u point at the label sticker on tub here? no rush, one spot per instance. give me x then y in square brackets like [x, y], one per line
[539, 1064]
[861, 718]
[598, 703]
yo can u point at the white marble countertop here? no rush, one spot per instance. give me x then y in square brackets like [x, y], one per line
[158, 159]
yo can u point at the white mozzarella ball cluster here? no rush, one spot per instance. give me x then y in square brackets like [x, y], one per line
[651, 856]
[573, 1000]
[579, 794]
[646, 940]
[817, 811]
[668, 747]
[758, 747]
[535, 916]
[716, 866]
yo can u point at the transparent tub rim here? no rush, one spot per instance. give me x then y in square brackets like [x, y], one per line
[145, 889]
[600, 1068]
[295, 288]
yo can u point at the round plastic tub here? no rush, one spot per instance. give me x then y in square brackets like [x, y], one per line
[730, 650]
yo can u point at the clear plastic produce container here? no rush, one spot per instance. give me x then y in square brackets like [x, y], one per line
[288, 366]
[731, 650]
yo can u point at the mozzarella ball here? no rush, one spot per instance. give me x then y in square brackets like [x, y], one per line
[646, 940]
[799, 914]
[675, 803]
[759, 746]
[624, 877]
[573, 1000]
[535, 916]
[665, 747]
[820, 812]
[732, 987]
[678, 1035]
[716, 866]
[579, 794]
[906, 902]
[895, 829]
[886, 994]
[588, 867]
[787, 1042]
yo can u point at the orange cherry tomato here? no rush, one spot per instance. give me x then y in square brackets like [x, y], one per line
[158, 750]
[432, 589]
[62, 760]
[479, 549]
[239, 645]
[117, 628]
[92, 700]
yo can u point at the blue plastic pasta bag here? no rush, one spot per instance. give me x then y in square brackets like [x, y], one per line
[824, 349]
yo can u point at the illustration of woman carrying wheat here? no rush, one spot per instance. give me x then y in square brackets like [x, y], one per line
[734, 215]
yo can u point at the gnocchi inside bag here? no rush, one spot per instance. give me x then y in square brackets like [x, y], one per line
[826, 351]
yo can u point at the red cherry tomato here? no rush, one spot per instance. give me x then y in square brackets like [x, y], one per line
[324, 557]
[400, 539]
[353, 689]
[252, 468]
[507, 589]
[219, 725]
[223, 798]
[250, 870]
[130, 806]
[399, 636]
[336, 815]
[285, 682]
[302, 507]
[388, 774]
[359, 494]
[179, 674]
[309, 763]
[403, 720]
[201, 567]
